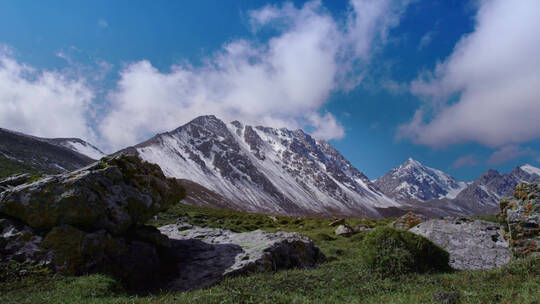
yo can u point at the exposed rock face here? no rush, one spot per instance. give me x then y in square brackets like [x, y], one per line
[260, 169]
[19, 242]
[207, 255]
[472, 244]
[14, 180]
[115, 194]
[522, 220]
[91, 220]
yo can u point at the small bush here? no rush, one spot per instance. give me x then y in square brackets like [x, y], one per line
[390, 251]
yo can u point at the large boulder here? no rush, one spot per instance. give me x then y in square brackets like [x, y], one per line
[521, 218]
[472, 244]
[115, 194]
[92, 220]
[207, 255]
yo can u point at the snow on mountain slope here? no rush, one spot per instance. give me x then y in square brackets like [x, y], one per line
[414, 181]
[530, 169]
[262, 169]
[79, 146]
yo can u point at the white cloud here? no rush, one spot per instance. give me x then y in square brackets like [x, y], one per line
[508, 153]
[282, 83]
[465, 161]
[43, 102]
[426, 39]
[488, 90]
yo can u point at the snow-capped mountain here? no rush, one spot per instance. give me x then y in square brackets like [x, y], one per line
[485, 192]
[78, 145]
[263, 169]
[414, 181]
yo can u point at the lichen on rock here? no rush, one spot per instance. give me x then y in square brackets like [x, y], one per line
[521, 220]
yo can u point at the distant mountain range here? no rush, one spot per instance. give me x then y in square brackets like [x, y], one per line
[25, 153]
[436, 193]
[279, 171]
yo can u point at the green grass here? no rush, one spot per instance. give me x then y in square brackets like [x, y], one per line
[9, 167]
[345, 278]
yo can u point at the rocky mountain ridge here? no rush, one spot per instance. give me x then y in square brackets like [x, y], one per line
[261, 169]
[436, 193]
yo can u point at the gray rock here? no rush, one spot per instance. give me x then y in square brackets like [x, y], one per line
[446, 297]
[207, 255]
[12, 181]
[115, 194]
[472, 244]
[344, 230]
[18, 242]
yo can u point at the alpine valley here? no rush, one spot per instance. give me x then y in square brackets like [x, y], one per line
[275, 171]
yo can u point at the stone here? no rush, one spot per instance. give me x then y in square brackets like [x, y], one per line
[446, 297]
[207, 255]
[115, 194]
[344, 230]
[472, 244]
[14, 180]
[408, 221]
[92, 221]
[521, 218]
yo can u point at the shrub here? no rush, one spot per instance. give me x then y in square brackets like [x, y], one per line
[390, 251]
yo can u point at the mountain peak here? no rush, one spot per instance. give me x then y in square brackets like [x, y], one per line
[410, 162]
[413, 180]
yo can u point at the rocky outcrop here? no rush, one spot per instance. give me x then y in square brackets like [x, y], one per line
[114, 194]
[91, 220]
[472, 244]
[207, 255]
[521, 218]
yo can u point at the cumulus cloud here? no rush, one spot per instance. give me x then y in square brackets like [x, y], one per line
[465, 161]
[487, 90]
[508, 153]
[283, 82]
[43, 102]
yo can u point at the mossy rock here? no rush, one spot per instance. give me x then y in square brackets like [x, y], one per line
[117, 193]
[393, 252]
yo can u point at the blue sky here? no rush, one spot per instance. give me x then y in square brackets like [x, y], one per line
[453, 84]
